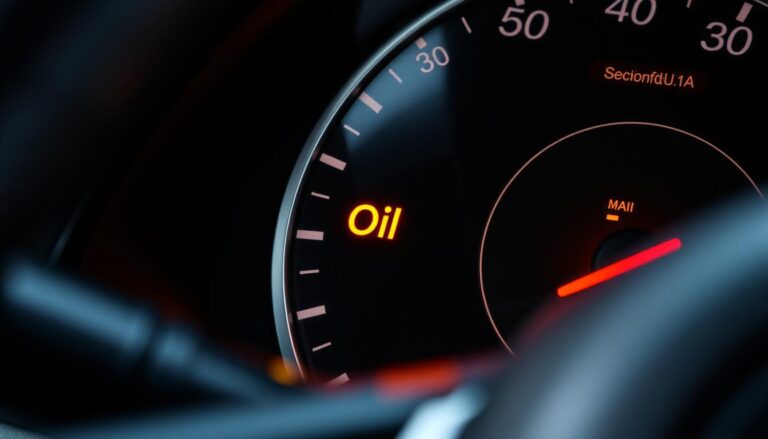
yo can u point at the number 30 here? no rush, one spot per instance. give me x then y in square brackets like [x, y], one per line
[719, 40]
[439, 57]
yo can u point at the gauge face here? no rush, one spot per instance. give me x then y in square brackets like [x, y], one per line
[634, 178]
[499, 153]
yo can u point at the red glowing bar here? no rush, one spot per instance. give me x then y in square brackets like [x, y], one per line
[618, 268]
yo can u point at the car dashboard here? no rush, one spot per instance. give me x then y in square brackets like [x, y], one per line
[329, 191]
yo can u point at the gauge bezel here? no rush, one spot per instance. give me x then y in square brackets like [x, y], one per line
[285, 220]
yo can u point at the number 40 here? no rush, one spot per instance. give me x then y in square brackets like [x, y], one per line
[639, 16]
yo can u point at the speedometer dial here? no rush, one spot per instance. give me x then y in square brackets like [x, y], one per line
[499, 154]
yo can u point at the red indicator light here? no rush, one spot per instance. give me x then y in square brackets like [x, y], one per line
[418, 379]
[618, 268]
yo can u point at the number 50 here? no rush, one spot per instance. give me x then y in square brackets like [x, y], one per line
[533, 26]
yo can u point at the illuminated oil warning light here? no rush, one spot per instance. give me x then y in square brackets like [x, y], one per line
[366, 219]
[611, 217]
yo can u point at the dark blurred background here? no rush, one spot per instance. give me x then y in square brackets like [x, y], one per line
[146, 145]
